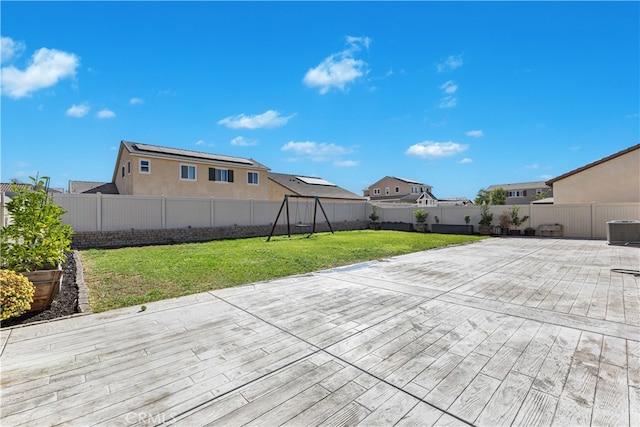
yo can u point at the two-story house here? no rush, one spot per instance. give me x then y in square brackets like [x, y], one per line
[392, 189]
[523, 193]
[144, 169]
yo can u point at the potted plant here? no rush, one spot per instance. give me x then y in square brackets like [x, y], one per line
[35, 241]
[505, 222]
[486, 218]
[421, 219]
[374, 224]
[516, 221]
[467, 219]
[529, 231]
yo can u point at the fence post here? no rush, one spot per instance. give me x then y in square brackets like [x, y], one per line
[99, 211]
[212, 214]
[163, 212]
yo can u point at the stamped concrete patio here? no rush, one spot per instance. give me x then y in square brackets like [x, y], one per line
[500, 332]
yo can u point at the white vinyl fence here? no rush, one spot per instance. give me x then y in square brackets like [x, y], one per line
[101, 212]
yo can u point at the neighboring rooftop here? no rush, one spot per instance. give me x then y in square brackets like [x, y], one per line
[312, 186]
[78, 187]
[174, 153]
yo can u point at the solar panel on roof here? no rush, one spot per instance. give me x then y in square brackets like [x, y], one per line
[188, 153]
[315, 181]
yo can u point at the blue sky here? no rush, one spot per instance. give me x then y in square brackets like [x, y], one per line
[458, 95]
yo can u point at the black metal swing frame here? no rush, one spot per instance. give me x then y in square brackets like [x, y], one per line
[285, 206]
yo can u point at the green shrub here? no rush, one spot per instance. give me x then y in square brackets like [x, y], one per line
[421, 216]
[35, 238]
[16, 294]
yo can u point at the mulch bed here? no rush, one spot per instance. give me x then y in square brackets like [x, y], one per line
[64, 304]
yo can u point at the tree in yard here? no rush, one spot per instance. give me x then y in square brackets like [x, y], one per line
[499, 196]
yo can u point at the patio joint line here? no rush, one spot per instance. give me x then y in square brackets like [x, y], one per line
[324, 349]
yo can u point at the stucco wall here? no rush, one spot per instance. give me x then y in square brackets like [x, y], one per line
[164, 178]
[616, 180]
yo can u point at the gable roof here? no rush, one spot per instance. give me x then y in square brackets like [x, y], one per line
[157, 151]
[312, 186]
[519, 186]
[596, 163]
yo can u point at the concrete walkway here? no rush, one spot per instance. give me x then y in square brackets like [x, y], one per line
[506, 331]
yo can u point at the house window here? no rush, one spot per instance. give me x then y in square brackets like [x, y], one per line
[252, 178]
[397, 189]
[220, 175]
[188, 172]
[376, 191]
[519, 193]
[129, 168]
[145, 166]
[123, 171]
[386, 191]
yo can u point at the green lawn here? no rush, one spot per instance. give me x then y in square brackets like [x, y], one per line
[131, 276]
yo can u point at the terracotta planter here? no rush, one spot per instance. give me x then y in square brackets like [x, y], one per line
[47, 283]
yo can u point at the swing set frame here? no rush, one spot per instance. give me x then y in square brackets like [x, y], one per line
[285, 205]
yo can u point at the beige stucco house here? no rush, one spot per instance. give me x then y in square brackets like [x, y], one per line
[523, 193]
[400, 190]
[615, 178]
[144, 169]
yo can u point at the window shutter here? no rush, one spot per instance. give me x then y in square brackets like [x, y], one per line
[212, 174]
[524, 193]
[230, 175]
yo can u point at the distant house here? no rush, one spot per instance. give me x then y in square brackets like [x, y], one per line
[524, 193]
[391, 189]
[144, 169]
[281, 184]
[615, 178]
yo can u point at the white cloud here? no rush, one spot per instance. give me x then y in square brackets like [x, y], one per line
[465, 161]
[532, 166]
[432, 149]
[200, 142]
[46, 68]
[339, 69]
[136, 101]
[448, 102]
[449, 87]
[78, 110]
[105, 114]
[10, 48]
[450, 63]
[240, 141]
[545, 177]
[268, 119]
[475, 133]
[346, 163]
[318, 152]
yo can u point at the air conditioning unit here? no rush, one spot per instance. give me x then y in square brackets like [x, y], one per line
[623, 232]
